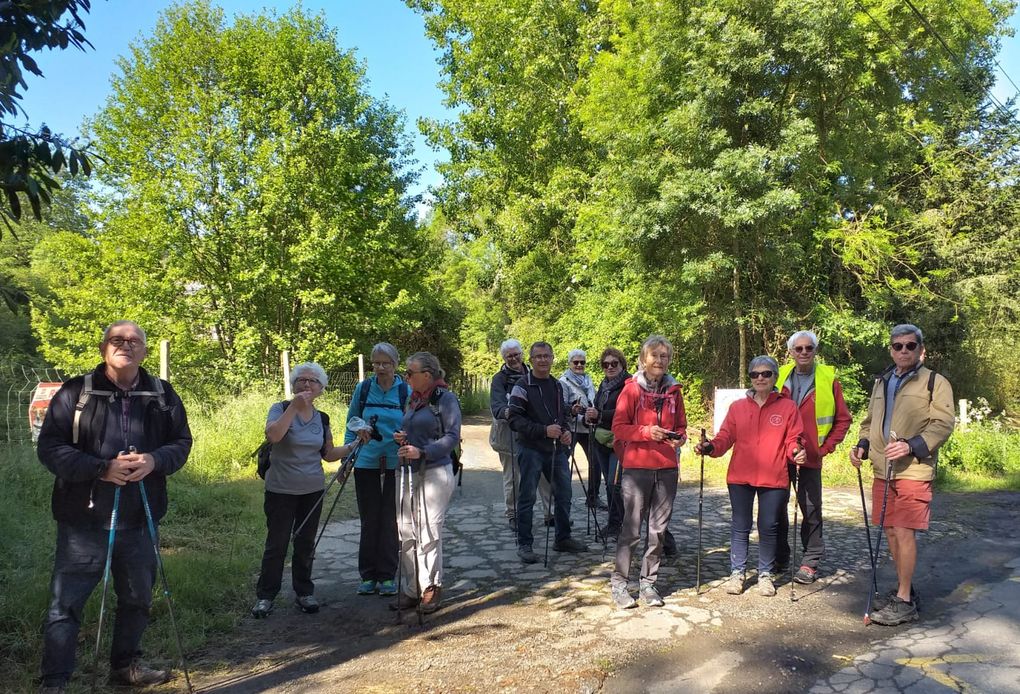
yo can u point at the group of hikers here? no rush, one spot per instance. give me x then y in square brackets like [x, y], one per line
[111, 438]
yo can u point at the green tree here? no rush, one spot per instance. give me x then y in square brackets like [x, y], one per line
[259, 200]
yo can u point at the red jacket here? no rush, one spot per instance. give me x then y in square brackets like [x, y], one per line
[840, 426]
[636, 413]
[763, 438]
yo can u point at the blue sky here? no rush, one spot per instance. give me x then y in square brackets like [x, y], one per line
[388, 37]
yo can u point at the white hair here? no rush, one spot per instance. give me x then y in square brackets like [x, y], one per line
[907, 329]
[510, 344]
[117, 324]
[800, 334]
[309, 367]
[576, 353]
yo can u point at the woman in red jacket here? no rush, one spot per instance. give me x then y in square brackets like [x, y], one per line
[649, 426]
[764, 430]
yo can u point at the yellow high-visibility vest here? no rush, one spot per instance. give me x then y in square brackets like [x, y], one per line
[825, 399]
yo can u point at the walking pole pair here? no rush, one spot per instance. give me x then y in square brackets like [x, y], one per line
[513, 492]
[867, 530]
[701, 505]
[408, 484]
[591, 509]
[796, 539]
[552, 493]
[342, 474]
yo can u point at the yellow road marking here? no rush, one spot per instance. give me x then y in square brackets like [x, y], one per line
[927, 667]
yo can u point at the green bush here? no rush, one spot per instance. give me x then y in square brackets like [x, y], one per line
[983, 449]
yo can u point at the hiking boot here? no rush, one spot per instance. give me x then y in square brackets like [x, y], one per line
[880, 601]
[650, 596]
[622, 597]
[734, 585]
[765, 585]
[138, 675]
[367, 588]
[263, 608]
[430, 599]
[307, 604]
[387, 588]
[526, 555]
[404, 602]
[805, 576]
[894, 613]
[570, 545]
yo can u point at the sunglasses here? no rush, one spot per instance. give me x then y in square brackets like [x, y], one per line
[800, 349]
[761, 374]
[579, 362]
[610, 364]
[900, 346]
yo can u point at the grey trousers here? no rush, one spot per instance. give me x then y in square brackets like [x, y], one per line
[645, 493]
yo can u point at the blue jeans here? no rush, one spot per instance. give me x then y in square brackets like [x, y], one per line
[533, 463]
[77, 570]
[771, 504]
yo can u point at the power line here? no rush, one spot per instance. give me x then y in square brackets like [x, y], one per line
[972, 30]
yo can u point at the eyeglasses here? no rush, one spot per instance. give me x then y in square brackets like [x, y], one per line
[131, 342]
[579, 362]
[306, 381]
[541, 356]
[900, 346]
[610, 364]
[760, 374]
[382, 364]
[800, 349]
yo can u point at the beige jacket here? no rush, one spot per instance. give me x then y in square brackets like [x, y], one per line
[924, 419]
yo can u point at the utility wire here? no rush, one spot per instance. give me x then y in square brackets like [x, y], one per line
[970, 28]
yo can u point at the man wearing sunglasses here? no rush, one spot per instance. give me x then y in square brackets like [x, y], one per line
[826, 420]
[909, 416]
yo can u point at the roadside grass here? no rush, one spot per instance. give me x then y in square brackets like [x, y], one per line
[211, 544]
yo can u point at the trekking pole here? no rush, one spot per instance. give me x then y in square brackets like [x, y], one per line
[867, 530]
[796, 539]
[325, 524]
[878, 542]
[591, 509]
[342, 473]
[701, 506]
[166, 585]
[593, 494]
[416, 532]
[552, 494]
[573, 463]
[106, 582]
[400, 514]
[513, 492]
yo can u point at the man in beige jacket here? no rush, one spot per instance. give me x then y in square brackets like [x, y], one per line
[909, 416]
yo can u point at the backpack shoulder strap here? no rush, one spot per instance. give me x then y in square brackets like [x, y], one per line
[363, 389]
[83, 398]
[403, 392]
[931, 386]
[434, 406]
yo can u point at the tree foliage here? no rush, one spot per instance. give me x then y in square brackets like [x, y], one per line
[726, 172]
[256, 200]
[31, 159]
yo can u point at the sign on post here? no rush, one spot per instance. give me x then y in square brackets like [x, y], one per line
[724, 397]
[37, 409]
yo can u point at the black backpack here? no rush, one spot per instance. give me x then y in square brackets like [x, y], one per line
[262, 453]
[458, 448]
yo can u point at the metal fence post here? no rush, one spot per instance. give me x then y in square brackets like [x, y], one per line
[361, 367]
[164, 359]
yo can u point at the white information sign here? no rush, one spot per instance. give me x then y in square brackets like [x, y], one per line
[724, 397]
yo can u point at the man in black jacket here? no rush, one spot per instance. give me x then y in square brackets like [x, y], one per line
[539, 418]
[113, 428]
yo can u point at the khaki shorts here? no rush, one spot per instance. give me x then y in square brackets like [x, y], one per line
[908, 505]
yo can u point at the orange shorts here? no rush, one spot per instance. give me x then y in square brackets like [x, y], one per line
[908, 505]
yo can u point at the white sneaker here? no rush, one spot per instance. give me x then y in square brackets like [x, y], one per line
[734, 585]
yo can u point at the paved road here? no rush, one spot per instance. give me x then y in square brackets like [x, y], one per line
[569, 637]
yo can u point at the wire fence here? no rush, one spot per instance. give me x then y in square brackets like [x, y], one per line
[25, 392]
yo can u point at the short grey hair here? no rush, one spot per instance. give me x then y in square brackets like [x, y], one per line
[428, 362]
[309, 367]
[510, 344]
[907, 329]
[800, 334]
[387, 349]
[576, 353]
[651, 343]
[117, 324]
[764, 360]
